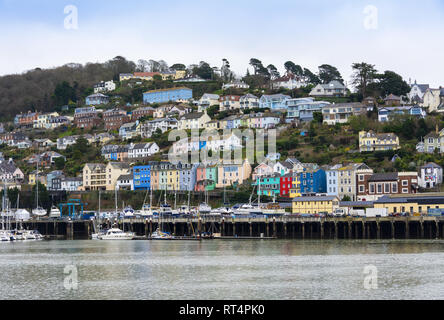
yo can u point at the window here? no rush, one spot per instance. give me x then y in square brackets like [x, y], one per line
[405, 183]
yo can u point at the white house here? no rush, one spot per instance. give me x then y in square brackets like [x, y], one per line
[248, 101]
[104, 86]
[282, 168]
[207, 100]
[236, 84]
[165, 124]
[63, 143]
[341, 112]
[288, 81]
[71, 184]
[142, 150]
[227, 142]
[261, 170]
[332, 89]
[417, 92]
[125, 182]
[430, 176]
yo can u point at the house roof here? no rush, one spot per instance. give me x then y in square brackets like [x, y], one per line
[335, 84]
[431, 165]
[319, 198]
[389, 176]
[169, 89]
[392, 97]
[194, 115]
[125, 177]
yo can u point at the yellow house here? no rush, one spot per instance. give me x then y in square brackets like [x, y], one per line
[180, 74]
[314, 205]
[113, 171]
[295, 190]
[371, 141]
[33, 177]
[212, 125]
[195, 120]
[414, 204]
[173, 179]
[229, 174]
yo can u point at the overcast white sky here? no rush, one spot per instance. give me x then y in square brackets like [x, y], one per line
[408, 38]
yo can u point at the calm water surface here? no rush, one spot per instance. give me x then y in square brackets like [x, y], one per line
[222, 269]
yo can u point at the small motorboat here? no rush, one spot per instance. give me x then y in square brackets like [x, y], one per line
[160, 235]
[204, 208]
[116, 234]
[39, 212]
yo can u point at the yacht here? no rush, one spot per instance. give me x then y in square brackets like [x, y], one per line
[221, 211]
[32, 235]
[204, 208]
[247, 209]
[128, 212]
[146, 211]
[19, 235]
[54, 213]
[116, 234]
[4, 236]
[165, 209]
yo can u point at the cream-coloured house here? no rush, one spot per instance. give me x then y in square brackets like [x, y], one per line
[113, 171]
[431, 99]
[94, 177]
[195, 120]
[44, 120]
[371, 141]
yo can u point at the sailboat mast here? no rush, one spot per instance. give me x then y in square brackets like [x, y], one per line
[259, 192]
[37, 183]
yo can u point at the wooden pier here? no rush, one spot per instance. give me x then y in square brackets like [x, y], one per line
[287, 227]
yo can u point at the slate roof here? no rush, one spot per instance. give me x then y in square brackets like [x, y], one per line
[389, 176]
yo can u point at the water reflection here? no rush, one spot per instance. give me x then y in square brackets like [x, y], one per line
[223, 269]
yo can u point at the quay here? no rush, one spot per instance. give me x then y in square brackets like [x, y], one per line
[285, 227]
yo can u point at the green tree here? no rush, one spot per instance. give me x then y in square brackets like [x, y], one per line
[328, 73]
[290, 66]
[318, 117]
[311, 77]
[390, 83]
[178, 67]
[59, 163]
[363, 75]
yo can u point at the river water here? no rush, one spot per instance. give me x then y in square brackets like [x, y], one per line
[222, 269]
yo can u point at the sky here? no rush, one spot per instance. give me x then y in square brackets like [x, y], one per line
[402, 36]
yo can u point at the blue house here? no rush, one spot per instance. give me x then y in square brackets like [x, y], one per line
[142, 177]
[274, 102]
[187, 176]
[167, 95]
[313, 181]
[96, 99]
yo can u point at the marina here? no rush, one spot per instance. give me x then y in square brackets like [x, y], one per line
[284, 227]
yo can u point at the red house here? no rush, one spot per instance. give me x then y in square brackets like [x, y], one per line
[285, 185]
